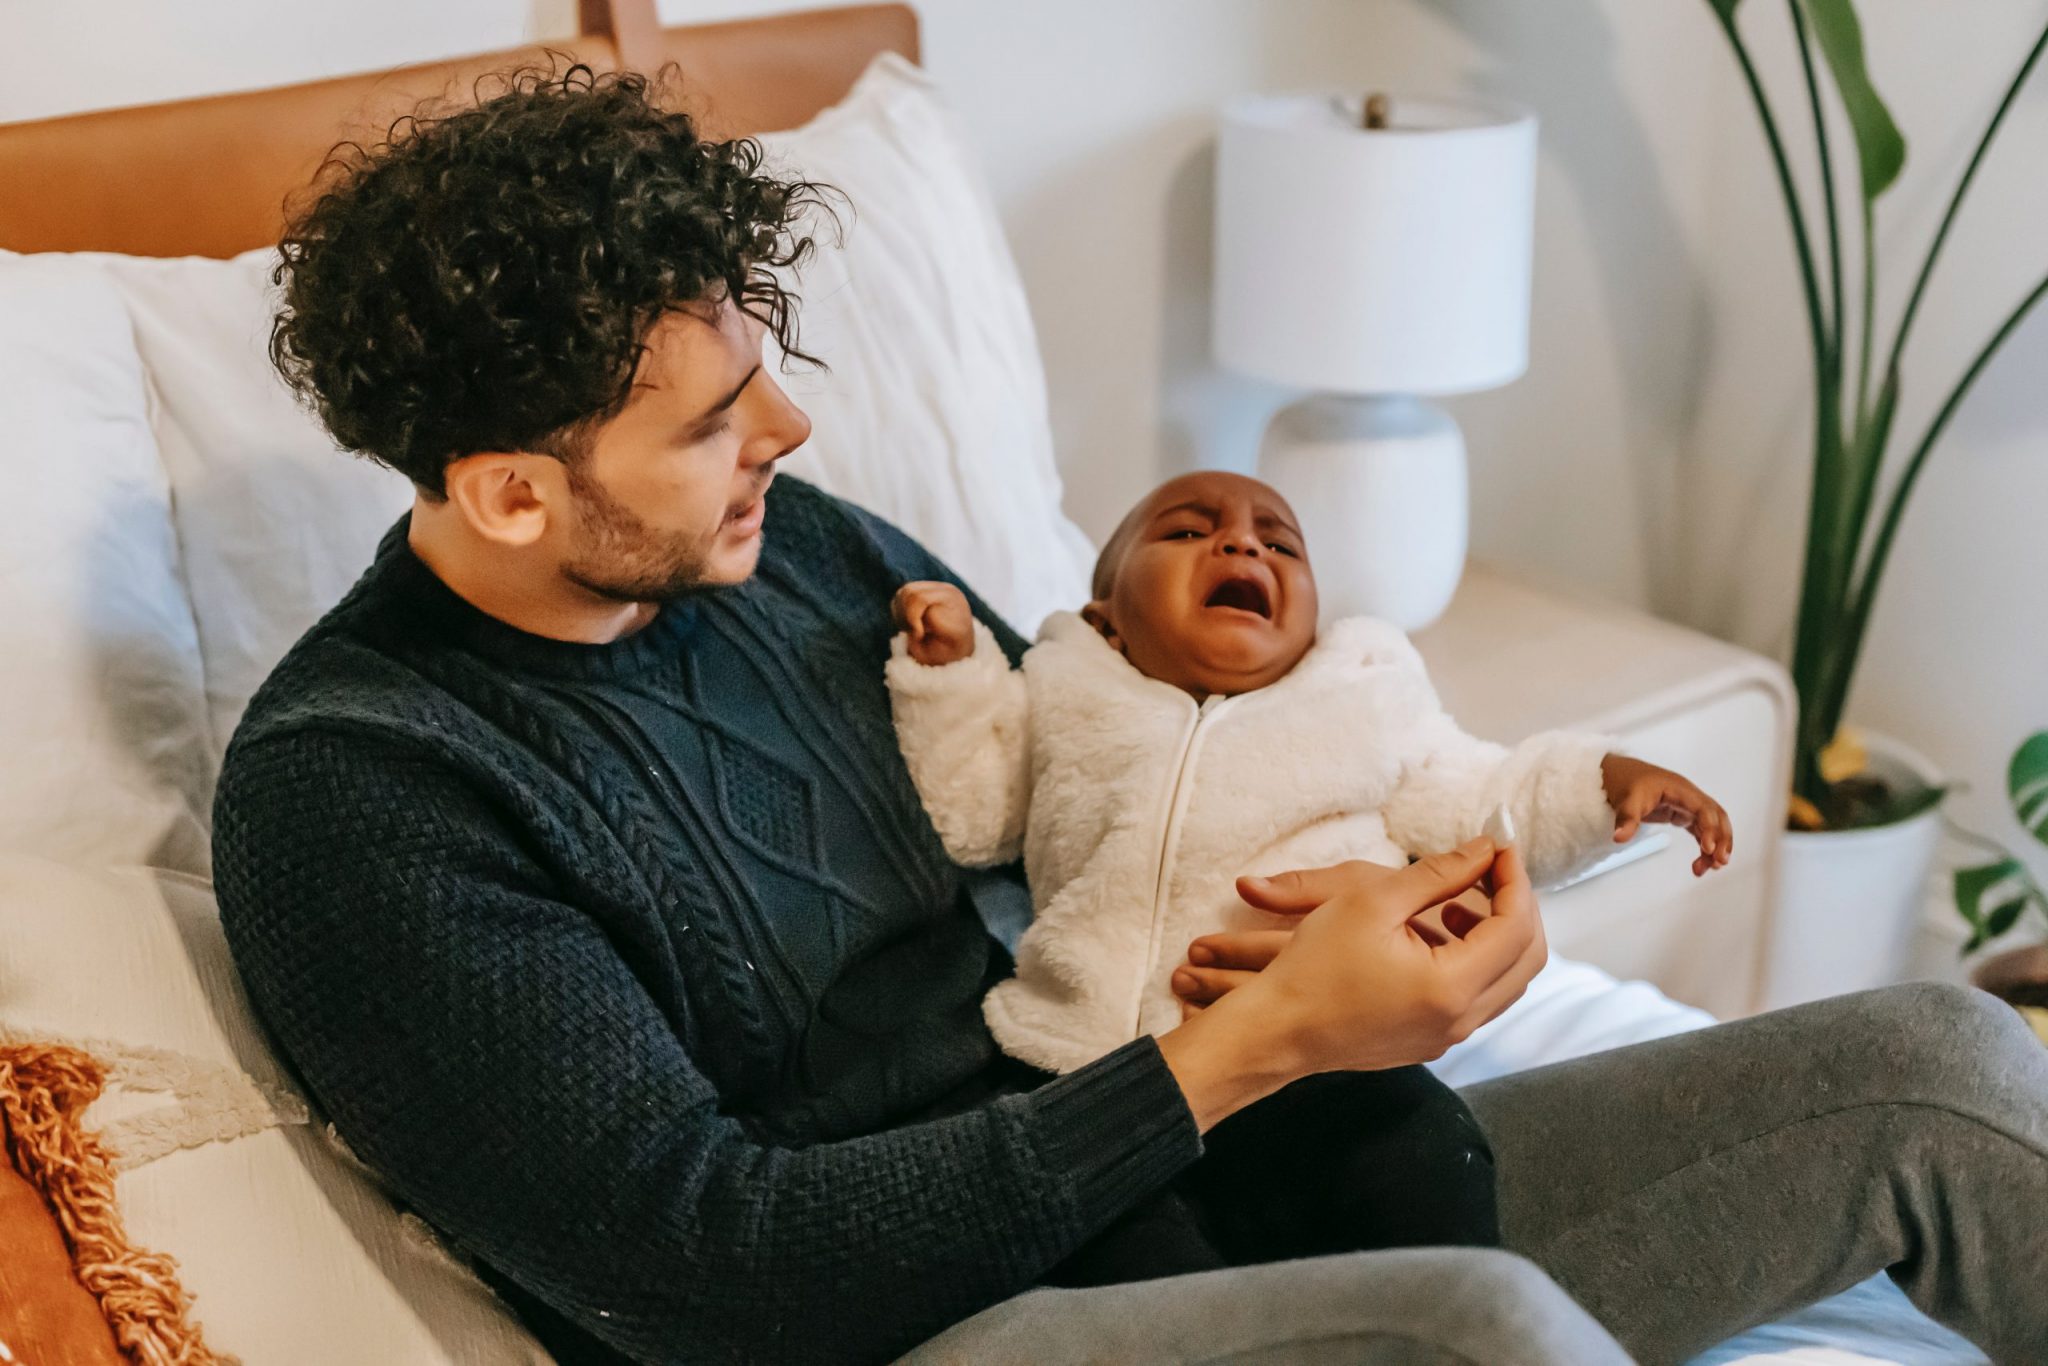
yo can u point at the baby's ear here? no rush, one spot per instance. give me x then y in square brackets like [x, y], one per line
[1096, 614]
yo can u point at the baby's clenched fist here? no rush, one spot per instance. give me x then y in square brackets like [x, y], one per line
[936, 618]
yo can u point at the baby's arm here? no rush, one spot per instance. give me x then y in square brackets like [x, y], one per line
[962, 720]
[1551, 785]
[1569, 795]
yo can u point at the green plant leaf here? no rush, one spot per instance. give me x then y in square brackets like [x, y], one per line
[1725, 8]
[2004, 917]
[2027, 780]
[1972, 883]
[1880, 147]
[1911, 802]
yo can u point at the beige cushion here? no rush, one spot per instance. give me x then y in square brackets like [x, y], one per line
[289, 1251]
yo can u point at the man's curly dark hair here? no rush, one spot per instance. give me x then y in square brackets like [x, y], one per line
[483, 279]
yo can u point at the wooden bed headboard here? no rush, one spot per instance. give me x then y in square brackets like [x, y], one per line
[210, 176]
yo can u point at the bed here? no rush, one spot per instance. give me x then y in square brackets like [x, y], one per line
[198, 522]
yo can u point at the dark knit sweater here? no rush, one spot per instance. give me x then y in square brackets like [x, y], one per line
[638, 970]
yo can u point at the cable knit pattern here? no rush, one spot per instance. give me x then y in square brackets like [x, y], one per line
[638, 971]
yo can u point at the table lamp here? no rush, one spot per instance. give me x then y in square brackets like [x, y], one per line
[1375, 251]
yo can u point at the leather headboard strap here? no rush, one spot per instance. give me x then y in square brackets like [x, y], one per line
[210, 177]
[631, 26]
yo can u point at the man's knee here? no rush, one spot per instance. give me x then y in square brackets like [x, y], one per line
[1941, 1025]
[1478, 1305]
[1469, 1306]
[1508, 1308]
[1490, 1276]
[1938, 1044]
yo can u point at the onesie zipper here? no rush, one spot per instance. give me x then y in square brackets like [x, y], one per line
[1178, 797]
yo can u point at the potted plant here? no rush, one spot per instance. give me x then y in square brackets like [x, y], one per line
[1995, 897]
[1864, 814]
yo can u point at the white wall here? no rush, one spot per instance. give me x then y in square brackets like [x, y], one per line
[1653, 452]
[1107, 198]
[98, 54]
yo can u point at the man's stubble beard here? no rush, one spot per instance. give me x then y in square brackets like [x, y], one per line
[622, 558]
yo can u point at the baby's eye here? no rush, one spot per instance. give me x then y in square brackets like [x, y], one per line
[1181, 534]
[1289, 551]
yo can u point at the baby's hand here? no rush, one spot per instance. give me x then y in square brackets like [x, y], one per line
[936, 618]
[1641, 792]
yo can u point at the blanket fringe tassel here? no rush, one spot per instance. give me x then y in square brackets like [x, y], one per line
[44, 1088]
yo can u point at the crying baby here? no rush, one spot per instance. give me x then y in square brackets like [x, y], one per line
[1191, 726]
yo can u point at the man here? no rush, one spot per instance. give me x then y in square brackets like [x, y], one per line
[572, 863]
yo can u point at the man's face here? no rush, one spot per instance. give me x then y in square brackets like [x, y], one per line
[669, 497]
[1210, 589]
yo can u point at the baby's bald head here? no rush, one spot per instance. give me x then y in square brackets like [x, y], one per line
[1206, 584]
[1114, 549]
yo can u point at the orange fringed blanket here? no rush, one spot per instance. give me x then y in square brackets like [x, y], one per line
[44, 1089]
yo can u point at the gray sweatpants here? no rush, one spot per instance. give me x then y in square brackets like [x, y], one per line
[1661, 1198]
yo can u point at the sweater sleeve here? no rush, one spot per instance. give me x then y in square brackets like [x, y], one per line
[1550, 784]
[964, 729]
[484, 1046]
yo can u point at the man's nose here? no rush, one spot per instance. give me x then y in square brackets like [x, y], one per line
[796, 429]
[784, 426]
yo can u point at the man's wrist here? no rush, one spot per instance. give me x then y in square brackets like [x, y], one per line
[1229, 1055]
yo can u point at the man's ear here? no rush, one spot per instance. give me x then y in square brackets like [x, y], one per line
[1096, 614]
[506, 497]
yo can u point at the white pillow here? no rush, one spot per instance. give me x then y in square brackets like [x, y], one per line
[934, 413]
[275, 521]
[104, 752]
[289, 1252]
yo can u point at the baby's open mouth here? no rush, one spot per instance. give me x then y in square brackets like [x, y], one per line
[1246, 595]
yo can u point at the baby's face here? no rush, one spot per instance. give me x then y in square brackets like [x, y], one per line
[1208, 586]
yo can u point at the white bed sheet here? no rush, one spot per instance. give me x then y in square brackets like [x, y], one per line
[1572, 1009]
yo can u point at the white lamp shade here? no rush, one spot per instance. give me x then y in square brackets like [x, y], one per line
[1374, 261]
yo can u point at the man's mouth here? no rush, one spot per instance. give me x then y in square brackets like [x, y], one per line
[746, 517]
[1243, 595]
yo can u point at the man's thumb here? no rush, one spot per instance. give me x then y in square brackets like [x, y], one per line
[1439, 877]
[1295, 893]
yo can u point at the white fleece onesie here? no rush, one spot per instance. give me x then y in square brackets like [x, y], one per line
[1136, 809]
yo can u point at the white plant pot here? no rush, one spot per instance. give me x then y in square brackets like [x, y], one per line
[1850, 901]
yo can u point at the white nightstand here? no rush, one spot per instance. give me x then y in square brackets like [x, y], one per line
[1510, 660]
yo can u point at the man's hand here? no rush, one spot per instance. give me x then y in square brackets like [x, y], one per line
[937, 620]
[1641, 792]
[1359, 984]
[1220, 963]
